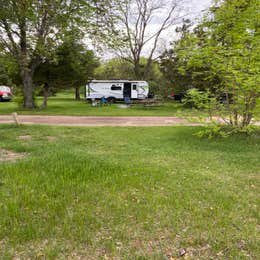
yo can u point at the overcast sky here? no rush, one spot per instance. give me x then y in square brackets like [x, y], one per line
[199, 5]
[194, 8]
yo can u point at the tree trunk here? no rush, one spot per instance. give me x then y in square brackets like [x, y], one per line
[26, 72]
[137, 71]
[45, 95]
[148, 68]
[28, 90]
[77, 93]
[249, 107]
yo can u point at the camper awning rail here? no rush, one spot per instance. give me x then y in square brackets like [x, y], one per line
[115, 81]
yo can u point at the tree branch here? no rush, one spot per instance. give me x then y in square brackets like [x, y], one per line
[4, 24]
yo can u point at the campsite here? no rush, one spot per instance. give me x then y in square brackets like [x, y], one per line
[129, 129]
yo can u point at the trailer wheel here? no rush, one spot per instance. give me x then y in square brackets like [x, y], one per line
[111, 100]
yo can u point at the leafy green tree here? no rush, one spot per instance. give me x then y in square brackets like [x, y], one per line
[74, 67]
[45, 75]
[174, 61]
[119, 68]
[115, 68]
[30, 31]
[234, 49]
[222, 55]
[4, 78]
[9, 71]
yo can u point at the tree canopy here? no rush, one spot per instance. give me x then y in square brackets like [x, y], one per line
[30, 31]
[222, 54]
[73, 67]
[142, 24]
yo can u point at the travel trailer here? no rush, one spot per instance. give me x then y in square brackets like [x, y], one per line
[114, 90]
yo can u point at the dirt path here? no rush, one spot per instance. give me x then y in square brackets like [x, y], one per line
[100, 120]
[97, 120]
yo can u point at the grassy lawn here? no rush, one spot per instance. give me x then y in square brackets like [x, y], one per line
[64, 104]
[130, 193]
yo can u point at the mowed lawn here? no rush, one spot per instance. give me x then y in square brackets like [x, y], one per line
[64, 104]
[128, 193]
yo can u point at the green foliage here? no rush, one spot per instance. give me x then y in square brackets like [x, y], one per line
[62, 103]
[31, 30]
[197, 99]
[222, 55]
[217, 130]
[4, 79]
[173, 62]
[237, 58]
[73, 67]
[213, 131]
[119, 68]
[115, 68]
[203, 100]
[9, 71]
[76, 64]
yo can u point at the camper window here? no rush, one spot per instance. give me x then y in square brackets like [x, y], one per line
[114, 87]
[134, 87]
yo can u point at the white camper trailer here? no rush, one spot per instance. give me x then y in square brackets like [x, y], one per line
[117, 89]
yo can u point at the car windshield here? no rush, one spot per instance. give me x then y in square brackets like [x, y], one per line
[3, 88]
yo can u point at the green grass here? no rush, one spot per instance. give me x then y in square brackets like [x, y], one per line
[64, 104]
[132, 193]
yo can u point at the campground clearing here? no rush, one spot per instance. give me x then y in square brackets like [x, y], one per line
[132, 192]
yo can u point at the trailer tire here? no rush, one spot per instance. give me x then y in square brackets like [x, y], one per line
[111, 100]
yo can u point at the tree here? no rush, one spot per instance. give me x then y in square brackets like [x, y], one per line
[31, 29]
[4, 78]
[45, 75]
[222, 56]
[9, 72]
[118, 68]
[173, 62]
[76, 65]
[138, 18]
[115, 68]
[234, 48]
[73, 67]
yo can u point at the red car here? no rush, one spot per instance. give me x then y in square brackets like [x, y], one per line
[5, 93]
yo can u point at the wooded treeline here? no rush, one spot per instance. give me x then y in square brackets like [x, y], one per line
[220, 55]
[44, 43]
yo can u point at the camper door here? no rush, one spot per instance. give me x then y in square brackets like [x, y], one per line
[134, 90]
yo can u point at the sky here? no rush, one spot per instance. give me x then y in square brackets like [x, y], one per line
[199, 5]
[195, 9]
